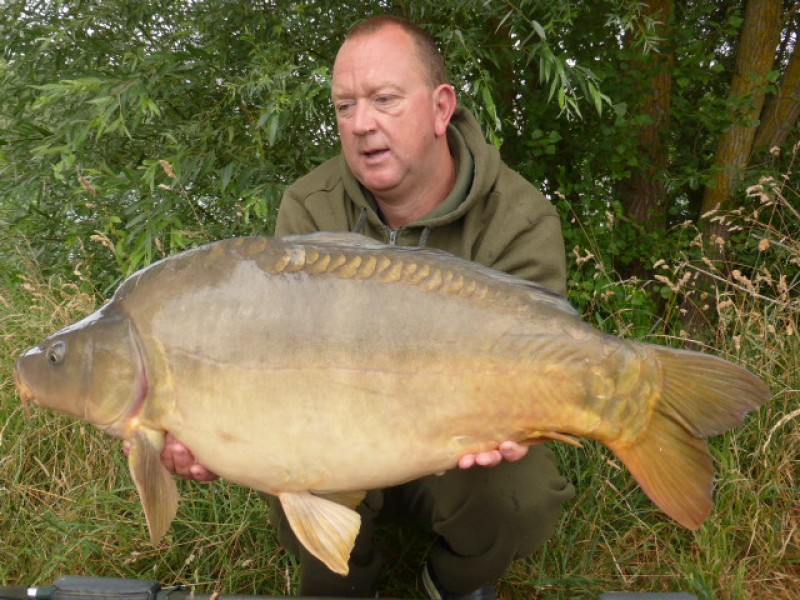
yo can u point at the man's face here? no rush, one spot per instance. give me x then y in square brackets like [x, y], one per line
[386, 112]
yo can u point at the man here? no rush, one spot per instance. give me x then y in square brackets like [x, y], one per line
[416, 170]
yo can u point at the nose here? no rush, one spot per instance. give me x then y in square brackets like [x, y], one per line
[363, 119]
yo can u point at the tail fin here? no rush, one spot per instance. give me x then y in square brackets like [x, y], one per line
[702, 395]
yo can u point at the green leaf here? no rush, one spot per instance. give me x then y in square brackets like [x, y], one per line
[539, 30]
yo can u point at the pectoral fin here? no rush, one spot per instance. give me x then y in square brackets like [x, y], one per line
[326, 528]
[155, 484]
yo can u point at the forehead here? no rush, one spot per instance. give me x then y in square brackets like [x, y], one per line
[385, 58]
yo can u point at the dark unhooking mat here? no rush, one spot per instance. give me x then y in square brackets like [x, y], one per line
[111, 588]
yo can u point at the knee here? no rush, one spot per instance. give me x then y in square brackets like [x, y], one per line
[526, 517]
[516, 508]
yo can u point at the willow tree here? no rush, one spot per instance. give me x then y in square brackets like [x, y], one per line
[755, 59]
[782, 108]
[643, 192]
[132, 130]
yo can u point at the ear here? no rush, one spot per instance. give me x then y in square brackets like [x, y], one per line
[444, 105]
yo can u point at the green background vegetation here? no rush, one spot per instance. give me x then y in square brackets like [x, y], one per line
[131, 130]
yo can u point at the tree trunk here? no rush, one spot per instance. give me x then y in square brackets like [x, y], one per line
[754, 60]
[781, 110]
[755, 56]
[643, 194]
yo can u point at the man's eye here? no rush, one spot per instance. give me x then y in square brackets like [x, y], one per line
[344, 107]
[383, 100]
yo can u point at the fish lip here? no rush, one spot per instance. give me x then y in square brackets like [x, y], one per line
[26, 395]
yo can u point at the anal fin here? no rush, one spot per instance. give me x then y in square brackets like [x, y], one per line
[326, 528]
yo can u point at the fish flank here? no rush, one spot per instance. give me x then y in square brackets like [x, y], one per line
[312, 256]
[349, 265]
[469, 288]
[297, 260]
[292, 260]
[281, 263]
[481, 292]
[455, 284]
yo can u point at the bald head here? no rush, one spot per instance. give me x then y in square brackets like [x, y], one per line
[424, 45]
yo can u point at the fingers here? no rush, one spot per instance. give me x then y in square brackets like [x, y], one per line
[179, 460]
[491, 458]
[510, 451]
[176, 457]
[467, 461]
[482, 459]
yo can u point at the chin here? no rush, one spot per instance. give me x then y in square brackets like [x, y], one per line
[379, 185]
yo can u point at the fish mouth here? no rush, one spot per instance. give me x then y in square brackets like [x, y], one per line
[25, 393]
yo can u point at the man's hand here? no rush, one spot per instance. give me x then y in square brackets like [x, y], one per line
[179, 461]
[510, 451]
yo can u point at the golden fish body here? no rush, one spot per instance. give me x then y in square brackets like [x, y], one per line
[317, 367]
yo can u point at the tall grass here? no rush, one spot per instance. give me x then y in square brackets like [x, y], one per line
[67, 505]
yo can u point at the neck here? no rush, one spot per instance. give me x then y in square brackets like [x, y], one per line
[421, 199]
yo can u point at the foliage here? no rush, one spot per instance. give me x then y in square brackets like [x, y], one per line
[130, 131]
[146, 128]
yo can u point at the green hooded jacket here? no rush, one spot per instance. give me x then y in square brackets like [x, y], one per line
[493, 216]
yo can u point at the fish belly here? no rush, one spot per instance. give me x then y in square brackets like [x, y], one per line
[365, 427]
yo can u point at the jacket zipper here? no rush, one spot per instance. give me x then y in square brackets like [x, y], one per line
[392, 237]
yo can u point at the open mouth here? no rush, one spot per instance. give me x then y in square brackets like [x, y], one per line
[374, 154]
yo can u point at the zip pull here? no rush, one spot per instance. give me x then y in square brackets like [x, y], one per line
[392, 237]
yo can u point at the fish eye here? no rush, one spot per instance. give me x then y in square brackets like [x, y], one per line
[55, 355]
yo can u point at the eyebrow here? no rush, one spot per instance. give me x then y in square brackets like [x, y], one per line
[379, 89]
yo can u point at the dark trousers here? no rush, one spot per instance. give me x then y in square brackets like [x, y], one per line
[484, 518]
